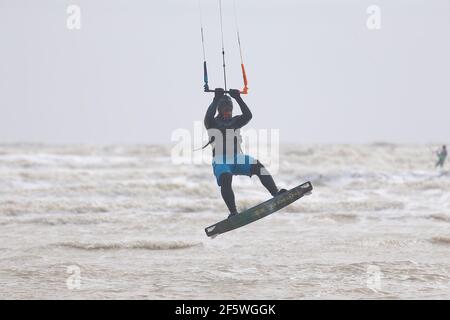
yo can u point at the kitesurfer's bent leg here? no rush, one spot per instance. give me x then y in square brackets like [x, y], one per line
[265, 177]
[227, 191]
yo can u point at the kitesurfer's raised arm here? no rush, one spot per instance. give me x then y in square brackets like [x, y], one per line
[246, 116]
[212, 109]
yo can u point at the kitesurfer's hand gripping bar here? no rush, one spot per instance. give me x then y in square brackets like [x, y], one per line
[225, 91]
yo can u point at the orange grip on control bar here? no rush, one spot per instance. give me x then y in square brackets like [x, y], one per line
[244, 76]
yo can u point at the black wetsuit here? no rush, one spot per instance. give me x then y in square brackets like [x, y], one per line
[220, 124]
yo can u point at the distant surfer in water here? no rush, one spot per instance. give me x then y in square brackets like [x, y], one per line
[442, 155]
[225, 138]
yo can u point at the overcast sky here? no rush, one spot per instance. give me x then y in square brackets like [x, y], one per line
[133, 73]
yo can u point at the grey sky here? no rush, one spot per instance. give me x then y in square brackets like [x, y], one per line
[133, 73]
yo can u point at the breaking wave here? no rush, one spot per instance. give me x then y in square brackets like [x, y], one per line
[143, 245]
[441, 240]
[439, 217]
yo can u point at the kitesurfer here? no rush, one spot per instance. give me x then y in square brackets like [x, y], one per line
[442, 155]
[225, 138]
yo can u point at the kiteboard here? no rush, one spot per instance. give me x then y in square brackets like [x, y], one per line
[260, 211]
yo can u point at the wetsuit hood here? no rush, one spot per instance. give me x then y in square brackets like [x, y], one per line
[225, 102]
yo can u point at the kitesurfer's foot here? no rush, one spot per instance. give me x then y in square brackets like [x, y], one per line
[232, 214]
[281, 191]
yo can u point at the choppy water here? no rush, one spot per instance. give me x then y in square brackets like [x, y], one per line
[376, 226]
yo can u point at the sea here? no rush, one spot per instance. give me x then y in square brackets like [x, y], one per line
[127, 222]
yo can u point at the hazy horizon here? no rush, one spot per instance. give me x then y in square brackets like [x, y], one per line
[170, 144]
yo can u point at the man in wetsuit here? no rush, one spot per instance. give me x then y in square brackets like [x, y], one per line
[442, 155]
[228, 158]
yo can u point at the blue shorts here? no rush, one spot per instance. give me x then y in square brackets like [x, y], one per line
[239, 166]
